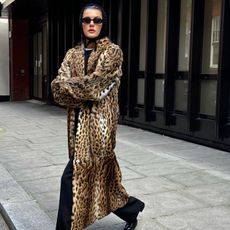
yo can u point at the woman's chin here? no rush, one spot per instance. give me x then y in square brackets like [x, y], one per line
[91, 36]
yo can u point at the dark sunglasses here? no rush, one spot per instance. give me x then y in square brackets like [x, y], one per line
[87, 20]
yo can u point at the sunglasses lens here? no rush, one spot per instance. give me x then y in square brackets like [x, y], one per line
[87, 20]
[97, 20]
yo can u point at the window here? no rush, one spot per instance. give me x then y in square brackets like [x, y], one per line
[143, 34]
[160, 53]
[211, 36]
[181, 81]
[161, 36]
[215, 36]
[210, 56]
[184, 40]
[142, 53]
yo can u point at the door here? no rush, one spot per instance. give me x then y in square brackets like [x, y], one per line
[40, 87]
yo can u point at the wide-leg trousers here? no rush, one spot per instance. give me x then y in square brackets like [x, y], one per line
[128, 213]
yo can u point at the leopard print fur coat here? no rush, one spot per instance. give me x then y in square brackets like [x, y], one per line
[97, 188]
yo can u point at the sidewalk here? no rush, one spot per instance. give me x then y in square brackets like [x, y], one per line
[185, 186]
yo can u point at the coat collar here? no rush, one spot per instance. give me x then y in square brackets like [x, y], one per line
[101, 45]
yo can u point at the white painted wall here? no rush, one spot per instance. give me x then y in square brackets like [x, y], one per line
[4, 58]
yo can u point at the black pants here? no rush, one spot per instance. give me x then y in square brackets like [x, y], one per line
[128, 213]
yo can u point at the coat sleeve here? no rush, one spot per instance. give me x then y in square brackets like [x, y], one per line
[97, 85]
[57, 85]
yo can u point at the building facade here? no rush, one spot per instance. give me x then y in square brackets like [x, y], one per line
[176, 60]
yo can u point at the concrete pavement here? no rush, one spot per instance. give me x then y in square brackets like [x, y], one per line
[184, 185]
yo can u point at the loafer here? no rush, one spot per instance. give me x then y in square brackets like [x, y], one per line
[131, 225]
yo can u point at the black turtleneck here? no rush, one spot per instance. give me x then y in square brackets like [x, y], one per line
[87, 54]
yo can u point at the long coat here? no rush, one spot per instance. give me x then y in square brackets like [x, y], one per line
[97, 188]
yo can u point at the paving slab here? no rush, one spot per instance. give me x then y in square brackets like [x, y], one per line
[19, 209]
[30, 174]
[150, 185]
[197, 178]
[212, 194]
[163, 168]
[214, 218]
[28, 215]
[169, 203]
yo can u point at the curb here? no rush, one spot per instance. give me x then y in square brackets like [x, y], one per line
[19, 210]
[6, 218]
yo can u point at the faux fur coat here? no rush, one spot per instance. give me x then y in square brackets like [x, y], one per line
[97, 188]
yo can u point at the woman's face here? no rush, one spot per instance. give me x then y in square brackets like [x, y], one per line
[92, 23]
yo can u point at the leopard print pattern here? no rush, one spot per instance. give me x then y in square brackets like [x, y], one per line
[97, 187]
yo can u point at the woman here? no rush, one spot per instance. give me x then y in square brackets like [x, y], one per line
[87, 84]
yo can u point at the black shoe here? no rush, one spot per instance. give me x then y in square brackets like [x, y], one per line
[142, 206]
[131, 225]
